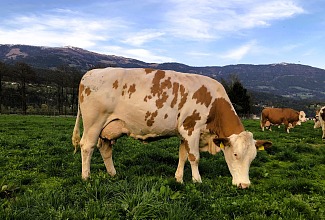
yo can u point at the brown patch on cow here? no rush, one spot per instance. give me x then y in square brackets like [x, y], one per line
[115, 85]
[158, 88]
[191, 157]
[124, 89]
[175, 93]
[147, 115]
[87, 91]
[147, 97]
[161, 101]
[131, 90]
[81, 89]
[190, 122]
[148, 70]
[202, 96]
[166, 84]
[166, 116]
[222, 119]
[150, 117]
[183, 97]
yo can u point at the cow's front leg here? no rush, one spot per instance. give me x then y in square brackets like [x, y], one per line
[106, 150]
[181, 163]
[286, 126]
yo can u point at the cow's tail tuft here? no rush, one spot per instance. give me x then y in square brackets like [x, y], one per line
[76, 132]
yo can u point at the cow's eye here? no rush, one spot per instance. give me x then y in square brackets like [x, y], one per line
[235, 155]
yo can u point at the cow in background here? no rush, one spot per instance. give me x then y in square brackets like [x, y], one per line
[277, 116]
[321, 117]
[145, 103]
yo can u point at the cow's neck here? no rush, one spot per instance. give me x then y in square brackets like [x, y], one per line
[222, 120]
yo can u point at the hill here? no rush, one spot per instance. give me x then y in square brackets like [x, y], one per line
[275, 81]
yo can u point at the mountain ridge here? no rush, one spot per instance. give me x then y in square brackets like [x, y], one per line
[295, 81]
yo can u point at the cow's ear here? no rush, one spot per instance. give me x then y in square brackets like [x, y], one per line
[221, 142]
[261, 145]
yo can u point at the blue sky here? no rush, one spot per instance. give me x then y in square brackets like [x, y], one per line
[193, 32]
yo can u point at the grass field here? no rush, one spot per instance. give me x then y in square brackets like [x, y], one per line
[40, 178]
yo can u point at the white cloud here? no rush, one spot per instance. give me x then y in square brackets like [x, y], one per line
[238, 53]
[58, 30]
[210, 19]
[138, 53]
[138, 39]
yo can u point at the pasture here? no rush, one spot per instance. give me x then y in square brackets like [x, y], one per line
[40, 177]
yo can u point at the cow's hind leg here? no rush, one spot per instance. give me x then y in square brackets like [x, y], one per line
[181, 163]
[87, 144]
[87, 149]
[106, 150]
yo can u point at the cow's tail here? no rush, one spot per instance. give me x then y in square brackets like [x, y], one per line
[76, 132]
[261, 121]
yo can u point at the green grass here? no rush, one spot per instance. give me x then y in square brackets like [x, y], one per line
[40, 178]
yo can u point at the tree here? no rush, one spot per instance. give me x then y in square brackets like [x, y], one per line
[24, 74]
[75, 80]
[3, 69]
[60, 82]
[67, 81]
[238, 95]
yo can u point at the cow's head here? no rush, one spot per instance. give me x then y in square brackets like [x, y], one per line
[302, 116]
[240, 151]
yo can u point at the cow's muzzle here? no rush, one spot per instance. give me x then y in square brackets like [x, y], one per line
[243, 185]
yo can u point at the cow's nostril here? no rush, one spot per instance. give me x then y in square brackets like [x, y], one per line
[243, 186]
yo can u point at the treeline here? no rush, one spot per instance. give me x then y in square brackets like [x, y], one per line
[28, 90]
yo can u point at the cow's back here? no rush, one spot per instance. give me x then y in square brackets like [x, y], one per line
[150, 102]
[291, 115]
[273, 115]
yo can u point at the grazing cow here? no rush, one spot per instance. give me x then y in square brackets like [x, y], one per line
[287, 116]
[145, 103]
[321, 117]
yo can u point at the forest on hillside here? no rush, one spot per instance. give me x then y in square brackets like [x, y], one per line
[28, 90]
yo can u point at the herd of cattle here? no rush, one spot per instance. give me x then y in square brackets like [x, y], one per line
[290, 118]
[148, 103]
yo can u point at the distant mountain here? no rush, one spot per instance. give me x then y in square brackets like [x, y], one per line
[294, 81]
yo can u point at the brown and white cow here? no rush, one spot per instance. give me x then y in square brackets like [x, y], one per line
[277, 116]
[145, 103]
[321, 118]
